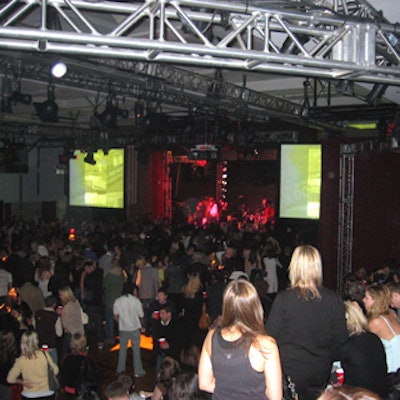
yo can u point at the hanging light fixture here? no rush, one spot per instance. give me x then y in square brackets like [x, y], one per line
[48, 110]
[108, 118]
[90, 158]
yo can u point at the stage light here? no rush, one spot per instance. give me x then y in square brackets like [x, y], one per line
[108, 118]
[58, 70]
[305, 108]
[90, 158]
[48, 110]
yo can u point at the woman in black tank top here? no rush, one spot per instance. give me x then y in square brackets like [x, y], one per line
[239, 361]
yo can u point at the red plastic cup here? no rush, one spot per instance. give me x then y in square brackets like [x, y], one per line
[340, 376]
[156, 315]
[59, 310]
[162, 340]
[45, 347]
[204, 295]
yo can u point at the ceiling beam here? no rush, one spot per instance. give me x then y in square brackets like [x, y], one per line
[294, 38]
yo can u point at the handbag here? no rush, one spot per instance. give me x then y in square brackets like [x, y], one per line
[205, 319]
[289, 388]
[86, 386]
[54, 385]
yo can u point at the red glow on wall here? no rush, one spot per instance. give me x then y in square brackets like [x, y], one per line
[201, 163]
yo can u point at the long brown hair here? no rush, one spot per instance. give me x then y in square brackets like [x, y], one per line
[242, 309]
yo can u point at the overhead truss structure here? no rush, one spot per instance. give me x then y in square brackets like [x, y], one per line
[293, 37]
[315, 39]
[153, 83]
[128, 47]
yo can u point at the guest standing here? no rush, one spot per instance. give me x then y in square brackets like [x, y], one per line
[8, 354]
[71, 317]
[308, 322]
[31, 369]
[192, 308]
[79, 372]
[238, 360]
[128, 312]
[169, 331]
[113, 284]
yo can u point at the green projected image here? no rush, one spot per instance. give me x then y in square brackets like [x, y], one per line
[99, 185]
[300, 185]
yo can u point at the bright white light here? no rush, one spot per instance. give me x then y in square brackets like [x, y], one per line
[58, 70]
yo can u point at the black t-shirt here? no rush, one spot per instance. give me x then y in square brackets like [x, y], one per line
[363, 359]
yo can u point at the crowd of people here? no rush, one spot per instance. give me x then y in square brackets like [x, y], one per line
[231, 314]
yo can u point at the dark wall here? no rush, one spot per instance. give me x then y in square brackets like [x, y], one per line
[376, 227]
[376, 209]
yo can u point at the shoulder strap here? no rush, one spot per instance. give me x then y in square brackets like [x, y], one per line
[47, 360]
[388, 324]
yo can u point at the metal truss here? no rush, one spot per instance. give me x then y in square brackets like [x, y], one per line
[310, 39]
[168, 85]
[346, 205]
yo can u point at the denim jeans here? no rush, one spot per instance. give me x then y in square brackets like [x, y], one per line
[124, 336]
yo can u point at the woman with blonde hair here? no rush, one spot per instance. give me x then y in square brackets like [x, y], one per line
[79, 372]
[363, 355]
[239, 360]
[71, 317]
[308, 322]
[192, 286]
[192, 307]
[31, 369]
[383, 322]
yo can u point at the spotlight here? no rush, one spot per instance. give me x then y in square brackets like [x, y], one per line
[90, 158]
[58, 70]
[108, 118]
[48, 110]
